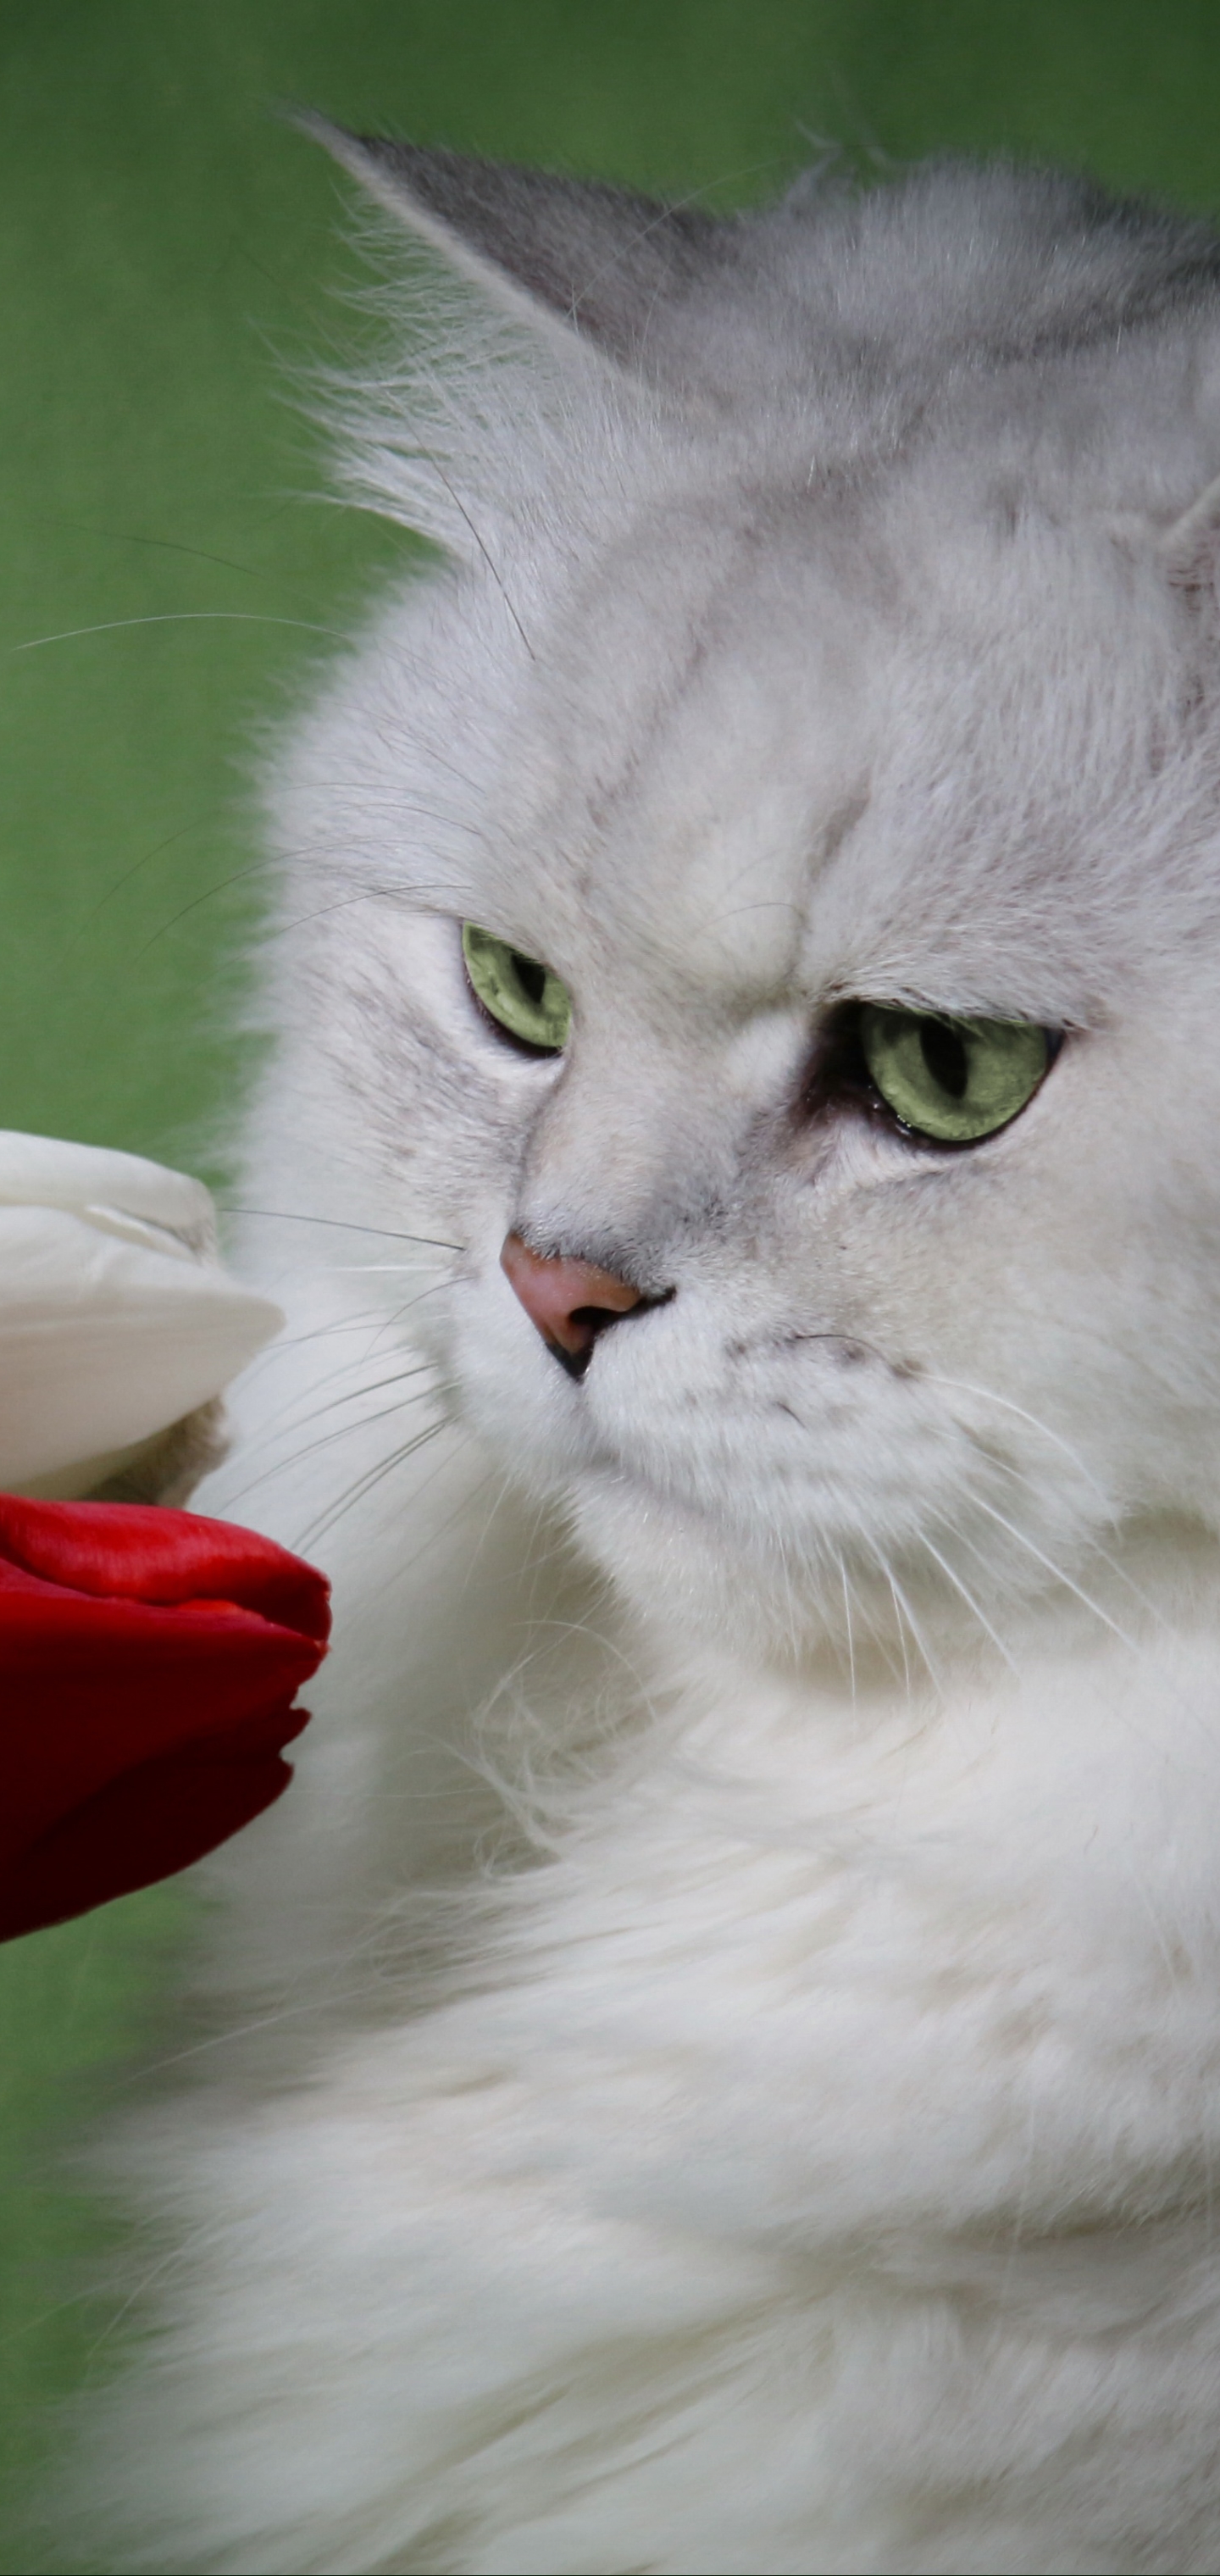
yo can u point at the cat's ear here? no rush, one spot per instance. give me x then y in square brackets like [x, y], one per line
[565, 253]
[1190, 548]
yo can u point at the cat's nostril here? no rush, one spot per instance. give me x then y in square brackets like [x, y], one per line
[574, 1361]
[569, 1302]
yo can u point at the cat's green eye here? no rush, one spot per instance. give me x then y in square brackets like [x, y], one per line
[953, 1081]
[521, 995]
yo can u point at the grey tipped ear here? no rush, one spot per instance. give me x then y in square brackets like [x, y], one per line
[1190, 549]
[598, 259]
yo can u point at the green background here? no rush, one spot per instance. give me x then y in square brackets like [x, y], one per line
[169, 257]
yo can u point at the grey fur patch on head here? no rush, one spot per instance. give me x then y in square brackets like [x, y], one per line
[1045, 261]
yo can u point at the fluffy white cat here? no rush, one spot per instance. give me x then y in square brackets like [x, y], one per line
[754, 1372]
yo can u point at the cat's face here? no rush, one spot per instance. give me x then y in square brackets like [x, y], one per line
[759, 768]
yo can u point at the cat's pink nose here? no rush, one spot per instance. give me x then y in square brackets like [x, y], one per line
[571, 1302]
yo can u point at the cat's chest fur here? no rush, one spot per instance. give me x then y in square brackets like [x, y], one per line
[817, 2175]
[821, 2181]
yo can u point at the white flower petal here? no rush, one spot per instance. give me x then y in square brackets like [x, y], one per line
[48, 1171]
[112, 1326]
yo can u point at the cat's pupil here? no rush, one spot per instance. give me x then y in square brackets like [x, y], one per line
[530, 976]
[945, 1056]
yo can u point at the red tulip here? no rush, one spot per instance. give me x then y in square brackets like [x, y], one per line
[149, 1661]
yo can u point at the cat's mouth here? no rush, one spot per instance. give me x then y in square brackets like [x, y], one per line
[786, 1446]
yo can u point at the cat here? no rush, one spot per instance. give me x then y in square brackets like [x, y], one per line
[740, 1159]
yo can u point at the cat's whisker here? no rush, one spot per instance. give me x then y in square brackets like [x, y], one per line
[851, 1649]
[461, 1440]
[1021, 1475]
[1112, 1564]
[1136, 1590]
[348, 1225]
[366, 1483]
[902, 1635]
[968, 1597]
[365, 1320]
[903, 1608]
[435, 1288]
[1057, 1572]
[987, 1395]
[875, 1629]
[789, 1595]
[994, 1574]
[183, 617]
[352, 1395]
[325, 1440]
[295, 1413]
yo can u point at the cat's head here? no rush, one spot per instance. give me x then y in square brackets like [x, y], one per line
[816, 731]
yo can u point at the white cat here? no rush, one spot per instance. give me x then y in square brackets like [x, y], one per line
[754, 1371]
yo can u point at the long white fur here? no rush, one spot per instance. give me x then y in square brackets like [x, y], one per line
[789, 2144]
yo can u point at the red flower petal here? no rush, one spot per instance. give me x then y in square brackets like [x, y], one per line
[149, 1660]
[140, 1551]
[155, 1820]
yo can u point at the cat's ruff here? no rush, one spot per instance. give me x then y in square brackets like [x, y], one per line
[807, 2164]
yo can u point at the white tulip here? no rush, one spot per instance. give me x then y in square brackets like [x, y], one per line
[116, 1318]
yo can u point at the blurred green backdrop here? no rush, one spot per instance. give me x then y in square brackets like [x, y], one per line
[169, 255]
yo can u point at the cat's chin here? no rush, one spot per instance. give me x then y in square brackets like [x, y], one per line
[685, 1573]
